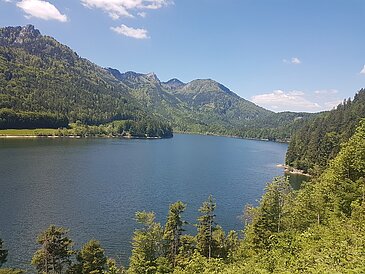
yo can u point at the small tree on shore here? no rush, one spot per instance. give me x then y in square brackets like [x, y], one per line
[55, 252]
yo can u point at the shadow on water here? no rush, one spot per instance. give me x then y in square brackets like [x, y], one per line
[296, 180]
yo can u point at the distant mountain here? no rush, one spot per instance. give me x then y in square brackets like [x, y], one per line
[173, 84]
[39, 74]
[206, 106]
[204, 102]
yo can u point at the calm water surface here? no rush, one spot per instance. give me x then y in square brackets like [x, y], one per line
[94, 186]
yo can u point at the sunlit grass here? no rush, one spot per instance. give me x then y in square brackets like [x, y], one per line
[28, 132]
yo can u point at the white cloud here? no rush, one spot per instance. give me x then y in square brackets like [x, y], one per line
[326, 91]
[142, 14]
[279, 100]
[41, 9]
[124, 8]
[293, 60]
[114, 8]
[131, 32]
[363, 70]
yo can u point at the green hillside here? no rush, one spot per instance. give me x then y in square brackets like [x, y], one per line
[41, 77]
[38, 74]
[319, 139]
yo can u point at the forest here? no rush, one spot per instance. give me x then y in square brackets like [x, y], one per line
[316, 229]
[319, 139]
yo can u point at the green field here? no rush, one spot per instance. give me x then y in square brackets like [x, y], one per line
[28, 132]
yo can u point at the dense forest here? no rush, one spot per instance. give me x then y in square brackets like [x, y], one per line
[26, 119]
[44, 83]
[316, 229]
[318, 140]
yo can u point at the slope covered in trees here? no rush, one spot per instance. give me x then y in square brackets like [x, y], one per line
[206, 106]
[41, 77]
[318, 140]
[38, 74]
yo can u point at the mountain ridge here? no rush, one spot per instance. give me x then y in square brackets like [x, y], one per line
[41, 74]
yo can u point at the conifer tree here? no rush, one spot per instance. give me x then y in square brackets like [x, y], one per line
[92, 258]
[54, 255]
[147, 244]
[206, 226]
[173, 230]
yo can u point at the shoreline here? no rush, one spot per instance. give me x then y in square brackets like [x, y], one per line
[4, 136]
[292, 170]
[77, 137]
[231, 136]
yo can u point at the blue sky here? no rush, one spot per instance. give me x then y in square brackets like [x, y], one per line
[282, 54]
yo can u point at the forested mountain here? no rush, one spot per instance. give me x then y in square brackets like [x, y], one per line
[38, 74]
[206, 106]
[318, 140]
[41, 77]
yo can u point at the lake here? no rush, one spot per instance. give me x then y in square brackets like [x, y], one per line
[94, 186]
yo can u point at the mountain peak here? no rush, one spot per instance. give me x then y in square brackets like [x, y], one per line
[174, 83]
[152, 77]
[29, 30]
[209, 85]
[18, 35]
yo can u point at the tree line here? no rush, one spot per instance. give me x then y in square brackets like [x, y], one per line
[31, 120]
[319, 139]
[156, 248]
[145, 128]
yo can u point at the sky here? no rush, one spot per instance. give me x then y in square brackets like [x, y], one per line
[295, 55]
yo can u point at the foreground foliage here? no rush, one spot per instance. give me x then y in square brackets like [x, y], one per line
[55, 253]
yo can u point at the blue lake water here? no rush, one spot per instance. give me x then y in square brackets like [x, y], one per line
[94, 186]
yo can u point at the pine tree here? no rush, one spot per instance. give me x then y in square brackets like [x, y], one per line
[112, 267]
[206, 226]
[147, 244]
[56, 250]
[92, 258]
[173, 230]
[270, 213]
